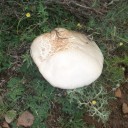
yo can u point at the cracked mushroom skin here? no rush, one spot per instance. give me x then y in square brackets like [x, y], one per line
[67, 59]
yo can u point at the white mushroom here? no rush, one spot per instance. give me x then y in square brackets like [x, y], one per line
[67, 59]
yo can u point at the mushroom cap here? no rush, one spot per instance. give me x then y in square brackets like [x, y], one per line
[67, 59]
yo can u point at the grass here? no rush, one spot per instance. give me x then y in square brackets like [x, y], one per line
[25, 89]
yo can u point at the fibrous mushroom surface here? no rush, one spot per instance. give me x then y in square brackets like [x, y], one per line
[67, 59]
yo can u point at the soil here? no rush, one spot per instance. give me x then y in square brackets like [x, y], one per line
[117, 119]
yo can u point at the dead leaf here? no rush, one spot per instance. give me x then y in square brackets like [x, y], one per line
[26, 119]
[10, 116]
[5, 125]
[118, 93]
[125, 108]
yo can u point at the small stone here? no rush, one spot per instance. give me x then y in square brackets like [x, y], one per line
[118, 93]
[10, 116]
[125, 108]
[25, 119]
[5, 125]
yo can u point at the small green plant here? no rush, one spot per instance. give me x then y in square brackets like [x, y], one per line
[27, 59]
[15, 91]
[38, 99]
[94, 99]
[115, 71]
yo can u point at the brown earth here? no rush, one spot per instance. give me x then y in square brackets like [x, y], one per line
[118, 118]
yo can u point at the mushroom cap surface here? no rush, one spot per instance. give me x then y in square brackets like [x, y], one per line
[67, 59]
